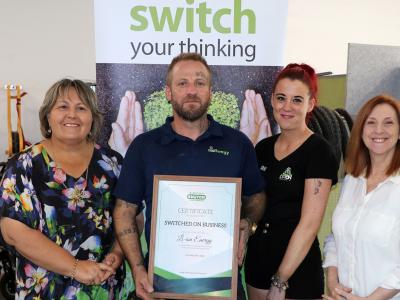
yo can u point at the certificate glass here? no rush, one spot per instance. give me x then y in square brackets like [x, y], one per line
[194, 237]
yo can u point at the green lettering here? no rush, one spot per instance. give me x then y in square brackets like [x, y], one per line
[189, 17]
[217, 20]
[135, 14]
[171, 20]
[237, 17]
[159, 23]
[202, 11]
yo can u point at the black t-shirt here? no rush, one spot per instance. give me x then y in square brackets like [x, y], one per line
[285, 178]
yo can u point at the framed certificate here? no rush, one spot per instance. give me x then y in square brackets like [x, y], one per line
[194, 237]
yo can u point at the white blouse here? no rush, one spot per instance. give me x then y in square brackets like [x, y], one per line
[365, 244]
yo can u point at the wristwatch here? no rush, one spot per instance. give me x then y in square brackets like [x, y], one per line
[252, 226]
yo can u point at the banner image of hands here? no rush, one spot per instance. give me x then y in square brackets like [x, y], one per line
[194, 237]
[242, 40]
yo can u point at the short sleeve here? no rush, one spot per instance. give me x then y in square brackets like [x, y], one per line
[18, 197]
[252, 180]
[131, 182]
[322, 162]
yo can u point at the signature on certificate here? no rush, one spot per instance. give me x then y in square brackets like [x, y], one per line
[194, 238]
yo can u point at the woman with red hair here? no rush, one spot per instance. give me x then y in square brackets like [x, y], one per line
[299, 167]
[362, 256]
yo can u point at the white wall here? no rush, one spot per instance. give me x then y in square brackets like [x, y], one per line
[44, 40]
[40, 42]
[319, 30]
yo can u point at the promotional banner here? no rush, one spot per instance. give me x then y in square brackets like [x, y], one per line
[242, 40]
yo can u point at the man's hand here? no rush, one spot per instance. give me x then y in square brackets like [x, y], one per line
[142, 283]
[253, 207]
[244, 234]
[254, 121]
[129, 123]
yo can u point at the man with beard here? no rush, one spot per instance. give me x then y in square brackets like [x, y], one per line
[185, 145]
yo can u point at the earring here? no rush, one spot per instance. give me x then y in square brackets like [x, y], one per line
[49, 130]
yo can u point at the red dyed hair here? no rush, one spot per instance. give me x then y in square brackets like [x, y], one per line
[304, 73]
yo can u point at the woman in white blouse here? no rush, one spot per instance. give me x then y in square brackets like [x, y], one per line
[362, 256]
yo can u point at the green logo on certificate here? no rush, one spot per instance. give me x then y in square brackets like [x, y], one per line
[196, 196]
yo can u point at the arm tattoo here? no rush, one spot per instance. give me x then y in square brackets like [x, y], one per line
[127, 231]
[138, 264]
[317, 185]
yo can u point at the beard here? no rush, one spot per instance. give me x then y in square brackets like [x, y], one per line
[190, 114]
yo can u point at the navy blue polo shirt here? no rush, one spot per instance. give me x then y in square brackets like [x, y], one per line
[220, 152]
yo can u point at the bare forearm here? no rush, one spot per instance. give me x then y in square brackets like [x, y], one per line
[127, 233]
[299, 245]
[129, 241]
[332, 274]
[38, 248]
[116, 248]
[316, 193]
[253, 206]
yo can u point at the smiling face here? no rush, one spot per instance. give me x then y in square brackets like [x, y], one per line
[381, 131]
[190, 90]
[291, 102]
[70, 119]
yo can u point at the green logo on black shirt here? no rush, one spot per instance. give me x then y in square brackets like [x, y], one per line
[286, 175]
[219, 151]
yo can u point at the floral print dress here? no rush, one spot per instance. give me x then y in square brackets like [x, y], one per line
[75, 213]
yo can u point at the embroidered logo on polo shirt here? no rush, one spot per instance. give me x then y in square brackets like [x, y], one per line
[219, 151]
[286, 175]
[263, 168]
